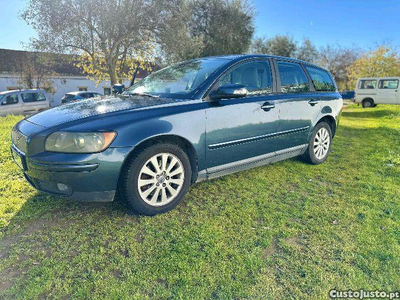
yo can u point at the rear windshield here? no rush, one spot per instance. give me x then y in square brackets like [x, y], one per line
[367, 84]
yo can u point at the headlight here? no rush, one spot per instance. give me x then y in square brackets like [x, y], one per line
[82, 142]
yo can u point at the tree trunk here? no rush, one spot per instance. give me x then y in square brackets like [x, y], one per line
[112, 72]
[113, 76]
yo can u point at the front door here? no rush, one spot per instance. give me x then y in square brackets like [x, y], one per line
[242, 128]
[387, 91]
[11, 104]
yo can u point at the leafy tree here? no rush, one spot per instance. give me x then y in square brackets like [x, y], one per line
[307, 51]
[259, 46]
[381, 62]
[337, 60]
[206, 28]
[107, 34]
[281, 45]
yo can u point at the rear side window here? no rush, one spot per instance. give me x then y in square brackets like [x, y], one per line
[389, 84]
[33, 97]
[69, 96]
[293, 79]
[367, 84]
[321, 79]
[255, 76]
[86, 95]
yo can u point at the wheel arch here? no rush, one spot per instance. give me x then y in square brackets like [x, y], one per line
[182, 142]
[368, 98]
[331, 122]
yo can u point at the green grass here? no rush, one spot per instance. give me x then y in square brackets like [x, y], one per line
[288, 230]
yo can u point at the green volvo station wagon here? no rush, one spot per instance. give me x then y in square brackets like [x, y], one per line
[189, 122]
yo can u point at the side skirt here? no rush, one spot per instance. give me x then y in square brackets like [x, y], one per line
[250, 163]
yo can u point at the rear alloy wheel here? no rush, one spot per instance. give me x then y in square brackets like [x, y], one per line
[367, 103]
[322, 142]
[319, 145]
[156, 179]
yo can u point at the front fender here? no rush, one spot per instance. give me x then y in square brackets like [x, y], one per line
[186, 121]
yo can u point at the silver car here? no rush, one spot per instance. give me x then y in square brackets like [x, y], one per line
[23, 102]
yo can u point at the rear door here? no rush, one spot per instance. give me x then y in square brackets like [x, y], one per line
[300, 104]
[33, 102]
[242, 128]
[387, 91]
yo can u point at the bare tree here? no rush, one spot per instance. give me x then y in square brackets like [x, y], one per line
[36, 70]
[337, 60]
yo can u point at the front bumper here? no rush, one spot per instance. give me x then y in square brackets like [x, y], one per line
[83, 177]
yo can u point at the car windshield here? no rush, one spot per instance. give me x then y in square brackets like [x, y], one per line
[179, 80]
[69, 96]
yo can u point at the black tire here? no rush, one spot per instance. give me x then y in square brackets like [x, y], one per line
[368, 103]
[310, 156]
[131, 172]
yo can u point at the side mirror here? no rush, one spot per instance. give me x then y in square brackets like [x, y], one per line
[118, 88]
[228, 91]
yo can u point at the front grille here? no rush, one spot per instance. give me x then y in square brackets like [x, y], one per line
[19, 140]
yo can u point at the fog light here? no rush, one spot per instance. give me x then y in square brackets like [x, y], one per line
[62, 187]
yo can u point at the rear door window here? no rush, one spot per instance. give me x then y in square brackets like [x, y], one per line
[321, 79]
[33, 97]
[389, 84]
[367, 84]
[293, 78]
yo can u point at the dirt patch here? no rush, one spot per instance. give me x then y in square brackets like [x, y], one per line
[295, 241]
[271, 250]
[7, 279]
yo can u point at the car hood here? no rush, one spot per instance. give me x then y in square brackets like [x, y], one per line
[93, 107]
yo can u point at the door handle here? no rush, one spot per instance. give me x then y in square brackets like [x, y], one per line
[312, 102]
[267, 106]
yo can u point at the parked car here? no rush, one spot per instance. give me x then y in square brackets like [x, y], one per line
[347, 95]
[23, 102]
[377, 90]
[192, 121]
[75, 96]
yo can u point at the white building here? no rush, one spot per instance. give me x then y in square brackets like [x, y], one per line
[69, 78]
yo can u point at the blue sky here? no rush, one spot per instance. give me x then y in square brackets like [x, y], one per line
[363, 23]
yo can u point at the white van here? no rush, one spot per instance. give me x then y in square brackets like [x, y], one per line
[23, 102]
[374, 90]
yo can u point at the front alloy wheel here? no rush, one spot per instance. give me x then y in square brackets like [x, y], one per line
[161, 179]
[156, 178]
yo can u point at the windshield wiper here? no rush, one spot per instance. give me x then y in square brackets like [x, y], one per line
[141, 94]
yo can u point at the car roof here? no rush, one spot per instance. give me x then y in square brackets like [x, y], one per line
[377, 78]
[80, 92]
[239, 57]
[22, 90]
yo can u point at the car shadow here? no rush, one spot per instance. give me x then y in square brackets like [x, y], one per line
[42, 211]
